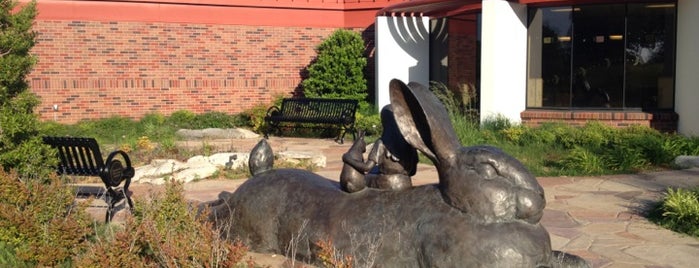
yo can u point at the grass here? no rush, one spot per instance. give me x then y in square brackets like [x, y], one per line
[556, 149]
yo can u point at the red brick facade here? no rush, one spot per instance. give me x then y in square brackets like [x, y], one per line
[99, 69]
[153, 60]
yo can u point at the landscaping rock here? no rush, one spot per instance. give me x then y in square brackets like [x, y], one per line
[687, 161]
[157, 169]
[196, 168]
[296, 157]
[230, 160]
[216, 133]
[202, 167]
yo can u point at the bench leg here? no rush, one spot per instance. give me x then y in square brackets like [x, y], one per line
[343, 131]
[112, 197]
[125, 191]
[341, 136]
[272, 126]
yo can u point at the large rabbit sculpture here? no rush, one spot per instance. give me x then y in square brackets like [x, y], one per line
[484, 212]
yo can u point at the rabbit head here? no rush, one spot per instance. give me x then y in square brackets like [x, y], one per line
[481, 181]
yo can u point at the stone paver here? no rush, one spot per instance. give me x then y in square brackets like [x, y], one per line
[597, 218]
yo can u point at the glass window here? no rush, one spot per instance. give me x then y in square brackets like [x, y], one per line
[650, 56]
[601, 56]
[550, 46]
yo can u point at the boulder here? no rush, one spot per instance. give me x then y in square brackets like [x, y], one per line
[687, 161]
[216, 133]
[296, 157]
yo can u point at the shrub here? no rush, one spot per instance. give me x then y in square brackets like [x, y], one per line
[370, 123]
[181, 119]
[329, 256]
[215, 120]
[679, 211]
[39, 222]
[496, 123]
[583, 161]
[338, 70]
[164, 232]
[154, 125]
[625, 157]
[256, 117]
[20, 145]
[468, 131]
[460, 101]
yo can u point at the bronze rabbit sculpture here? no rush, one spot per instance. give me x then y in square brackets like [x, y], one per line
[484, 212]
[389, 165]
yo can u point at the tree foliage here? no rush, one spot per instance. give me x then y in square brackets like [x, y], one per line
[20, 144]
[338, 71]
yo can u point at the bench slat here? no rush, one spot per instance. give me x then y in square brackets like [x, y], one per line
[338, 112]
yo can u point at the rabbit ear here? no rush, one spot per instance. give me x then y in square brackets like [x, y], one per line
[423, 120]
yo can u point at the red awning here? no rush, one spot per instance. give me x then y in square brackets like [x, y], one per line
[431, 8]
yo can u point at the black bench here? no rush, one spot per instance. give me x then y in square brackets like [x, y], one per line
[82, 157]
[337, 112]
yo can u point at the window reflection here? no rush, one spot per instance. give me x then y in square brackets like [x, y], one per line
[650, 59]
[602, 56]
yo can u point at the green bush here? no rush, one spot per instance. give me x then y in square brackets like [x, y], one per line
[581, 161]
[370, 123]
[40, 224]
[181, 119]
[496, 123]
[217, 120]
[679, 211]
[338, 70]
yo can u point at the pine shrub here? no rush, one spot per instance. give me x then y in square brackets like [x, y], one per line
[20, 145]
[338, 70]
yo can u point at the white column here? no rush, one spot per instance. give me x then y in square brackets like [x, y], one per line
[686, 78]
[402, 52]
[503, 59]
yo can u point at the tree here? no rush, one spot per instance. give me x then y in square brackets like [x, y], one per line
[20, 145]
[338, 71]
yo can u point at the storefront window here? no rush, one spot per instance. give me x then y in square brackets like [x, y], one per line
[602, 56]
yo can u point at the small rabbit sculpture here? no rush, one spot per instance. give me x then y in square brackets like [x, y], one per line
[484, 212]
[351, 179]
[389, 165]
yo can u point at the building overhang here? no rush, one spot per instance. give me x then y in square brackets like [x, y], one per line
[431, 8]
[449, 8]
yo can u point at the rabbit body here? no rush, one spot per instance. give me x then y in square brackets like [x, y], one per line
[411, 228]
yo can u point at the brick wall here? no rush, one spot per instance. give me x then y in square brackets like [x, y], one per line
[130, 58]
[463, 46]
[99, 69]
[663, 121]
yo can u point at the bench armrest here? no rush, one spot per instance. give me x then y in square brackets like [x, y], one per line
[126, 173]
[272, 111]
